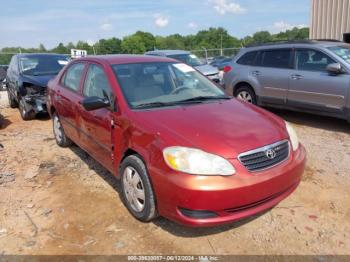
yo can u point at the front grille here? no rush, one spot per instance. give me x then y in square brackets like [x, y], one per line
[265, 157]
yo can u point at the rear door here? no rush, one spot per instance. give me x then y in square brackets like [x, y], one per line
[274, 67]
[312, 87]
[67, 98]
[96, 126]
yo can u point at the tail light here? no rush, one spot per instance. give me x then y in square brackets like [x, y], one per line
[227, 69]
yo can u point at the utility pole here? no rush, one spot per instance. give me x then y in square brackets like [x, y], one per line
[221, 53]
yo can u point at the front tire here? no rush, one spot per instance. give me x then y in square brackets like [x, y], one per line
[137, 192]
[60, 136]
[12, 102]
[25, 113]
[246, 94]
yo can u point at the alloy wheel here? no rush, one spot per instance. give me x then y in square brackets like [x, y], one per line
[57, 129]
[245, 96]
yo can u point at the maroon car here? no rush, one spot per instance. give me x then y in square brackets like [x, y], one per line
[181, 147]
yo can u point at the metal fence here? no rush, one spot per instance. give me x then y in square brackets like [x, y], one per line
[211, 53]
[205, 54]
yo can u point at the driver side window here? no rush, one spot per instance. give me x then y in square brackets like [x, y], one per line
[312, 60]
[96, 83]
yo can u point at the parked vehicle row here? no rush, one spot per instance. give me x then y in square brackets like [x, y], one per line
[181, 147]
[192, 60]
[310, 76]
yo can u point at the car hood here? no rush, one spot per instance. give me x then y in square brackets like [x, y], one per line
[40, 80]
[225, 128]
[207, 69]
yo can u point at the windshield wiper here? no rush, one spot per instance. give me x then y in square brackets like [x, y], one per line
[152, 104]
[198, 99]
[204, 98]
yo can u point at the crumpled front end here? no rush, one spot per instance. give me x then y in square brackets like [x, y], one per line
[35, 97]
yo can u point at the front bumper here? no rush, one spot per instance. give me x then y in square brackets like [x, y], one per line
[229, 198]
[36, 103]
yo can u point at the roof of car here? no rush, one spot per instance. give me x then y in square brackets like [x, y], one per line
[126, 59]
[322, 43]
[167, 52]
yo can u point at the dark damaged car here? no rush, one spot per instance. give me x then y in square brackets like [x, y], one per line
[27, 78]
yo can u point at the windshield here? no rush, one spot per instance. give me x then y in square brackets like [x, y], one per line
[148, 85]
[342, 51]
[189, 59]
[42, 65]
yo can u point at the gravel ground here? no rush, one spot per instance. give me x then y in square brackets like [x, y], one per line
[60, 201]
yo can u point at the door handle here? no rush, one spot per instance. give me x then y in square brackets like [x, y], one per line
[296, 77]
[256, 73]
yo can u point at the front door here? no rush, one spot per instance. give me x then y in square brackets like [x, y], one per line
[312, 87]
[96, 125]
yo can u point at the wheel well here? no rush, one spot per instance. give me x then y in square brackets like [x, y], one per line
[242, 84]
[130, 152]
[52, 110]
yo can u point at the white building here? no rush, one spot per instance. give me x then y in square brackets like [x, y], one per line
[330, 19]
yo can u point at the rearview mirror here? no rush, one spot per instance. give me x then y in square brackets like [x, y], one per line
[94, 102]
[334, 68]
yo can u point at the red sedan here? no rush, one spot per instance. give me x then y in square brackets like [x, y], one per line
[181, 148]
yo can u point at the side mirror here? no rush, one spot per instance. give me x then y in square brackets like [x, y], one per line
[334, 68]
[94, 102]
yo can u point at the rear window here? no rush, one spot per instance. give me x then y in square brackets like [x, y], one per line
[279, 58]
[248, 58]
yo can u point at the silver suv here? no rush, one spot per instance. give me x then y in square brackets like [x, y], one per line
[308, 76]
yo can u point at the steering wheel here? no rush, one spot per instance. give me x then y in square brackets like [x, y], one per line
[179, 89]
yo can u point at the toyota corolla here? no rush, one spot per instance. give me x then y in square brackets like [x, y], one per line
[181, 148]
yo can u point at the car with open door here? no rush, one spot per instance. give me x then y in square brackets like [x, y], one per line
[181, 147]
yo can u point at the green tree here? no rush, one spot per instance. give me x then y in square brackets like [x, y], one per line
[147, 39]
[42, 48]
[109, 46]
[133, 45]
[175, 41]
[215, 38]
[262, 37]
[60, 49]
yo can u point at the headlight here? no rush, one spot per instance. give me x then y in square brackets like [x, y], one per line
[197, 162]
[293, 136]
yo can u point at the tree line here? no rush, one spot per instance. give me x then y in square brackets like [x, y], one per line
[140, 42]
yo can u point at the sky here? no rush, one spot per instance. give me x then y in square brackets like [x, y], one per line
[29, 23]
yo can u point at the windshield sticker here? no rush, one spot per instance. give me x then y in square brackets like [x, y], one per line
[184, 68]
[193, 56]
[62, 62]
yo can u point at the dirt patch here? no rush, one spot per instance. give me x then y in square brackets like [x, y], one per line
[60, 201]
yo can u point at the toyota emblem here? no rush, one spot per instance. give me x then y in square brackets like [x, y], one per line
[270, 154]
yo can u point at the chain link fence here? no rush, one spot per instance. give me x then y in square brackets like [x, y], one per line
[204, 54]
[208, 54]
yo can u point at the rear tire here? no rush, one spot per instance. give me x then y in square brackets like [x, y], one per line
[25, 113]
[137, 192]
[60, 136]
[246, 94]
[12, 102]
